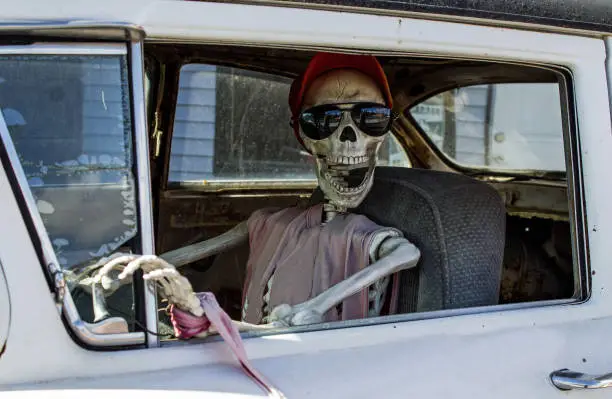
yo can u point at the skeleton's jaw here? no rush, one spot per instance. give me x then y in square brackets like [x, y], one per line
[345, 180]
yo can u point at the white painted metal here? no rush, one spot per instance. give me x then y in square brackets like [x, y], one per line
[504, 354]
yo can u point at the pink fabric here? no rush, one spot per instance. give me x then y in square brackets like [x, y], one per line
[187, 325]
[306, 258]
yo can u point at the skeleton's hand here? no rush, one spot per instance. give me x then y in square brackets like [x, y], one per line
[175, 287]
[297, 315]
[85, 277]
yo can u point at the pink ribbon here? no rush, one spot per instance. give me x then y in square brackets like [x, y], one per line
[187, 325]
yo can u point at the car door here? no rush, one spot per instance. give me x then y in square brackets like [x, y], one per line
[499, 351]
[504, 351]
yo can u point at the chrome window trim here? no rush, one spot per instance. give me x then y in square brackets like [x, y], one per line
[65, 303]
[74, 28]
[576, 194]
[64, 49]
[219, 186]
[382, 320]
[145, 202]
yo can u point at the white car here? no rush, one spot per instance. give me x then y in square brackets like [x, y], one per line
[146, 125]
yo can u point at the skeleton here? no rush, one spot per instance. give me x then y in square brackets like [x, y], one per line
[341, 154]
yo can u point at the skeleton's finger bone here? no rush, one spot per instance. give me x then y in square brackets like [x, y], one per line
[177, 289]
[294, 315]
[163, 281]
[109, 283]
[120, 260]
[183, 284]
[137, 263]
[177, 283]
[306, 317]
[113, 257]
[103, 261]
[162, 273]
[174, 291]
[165, 286]
[156, 263]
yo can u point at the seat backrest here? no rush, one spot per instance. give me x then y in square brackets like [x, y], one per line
[457, 222]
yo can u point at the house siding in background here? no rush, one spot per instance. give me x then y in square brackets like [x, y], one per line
[193, 140]
[522, 131]
[103, 109]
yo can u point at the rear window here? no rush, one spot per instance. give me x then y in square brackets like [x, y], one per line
[509, 126]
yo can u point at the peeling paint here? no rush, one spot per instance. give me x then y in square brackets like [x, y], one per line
[44, 207]
[60, 242]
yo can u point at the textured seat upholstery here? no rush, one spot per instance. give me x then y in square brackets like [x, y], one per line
[457, 222]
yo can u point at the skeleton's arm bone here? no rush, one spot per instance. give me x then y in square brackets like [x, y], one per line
[396, 254]
[194, 252]
[178, 257]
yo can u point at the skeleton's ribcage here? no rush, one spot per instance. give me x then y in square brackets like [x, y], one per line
[376, 298]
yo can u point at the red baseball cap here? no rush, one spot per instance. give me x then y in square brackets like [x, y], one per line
[325, 62]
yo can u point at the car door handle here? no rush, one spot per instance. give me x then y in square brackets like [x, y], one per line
[566, 380]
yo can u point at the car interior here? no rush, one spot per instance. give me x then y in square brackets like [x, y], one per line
[489, 236]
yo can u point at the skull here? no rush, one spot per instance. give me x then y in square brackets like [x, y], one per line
[344, 161]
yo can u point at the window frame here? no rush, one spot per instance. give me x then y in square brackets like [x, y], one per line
[79, 329]
[572, 176]
[222, 185]
[564, 76]
[576, 206]
[483, 167]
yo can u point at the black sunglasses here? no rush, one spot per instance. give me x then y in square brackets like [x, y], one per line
[322, 121]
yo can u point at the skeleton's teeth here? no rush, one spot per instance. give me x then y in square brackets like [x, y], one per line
[341, 186]
[347, 160]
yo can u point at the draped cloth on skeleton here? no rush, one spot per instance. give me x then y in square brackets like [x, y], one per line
[306, 257]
